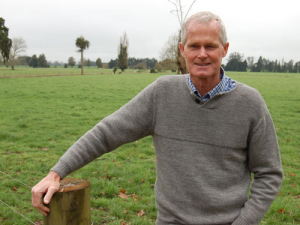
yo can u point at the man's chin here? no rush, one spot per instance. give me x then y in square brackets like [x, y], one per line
[202, 74]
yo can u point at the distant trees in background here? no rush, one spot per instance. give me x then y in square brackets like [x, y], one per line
[88, 63]
[140, 66]
[99, 63]
[166, 64]
[18, 46]
[71, 61]
[149, 62]
[236, 62]
[33, 62]
[170, 49]
[5, 41]
[82, 44]
[123, 52]
[40, 61]
[265, 65]
[132, 61]
[113, 63]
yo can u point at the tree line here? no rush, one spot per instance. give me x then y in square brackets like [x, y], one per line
[133, 62]
[11, 50]
[236, 62]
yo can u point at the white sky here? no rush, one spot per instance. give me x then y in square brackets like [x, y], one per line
[270, 28]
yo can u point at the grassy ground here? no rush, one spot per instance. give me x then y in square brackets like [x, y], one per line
[41, 117]
[25, 71]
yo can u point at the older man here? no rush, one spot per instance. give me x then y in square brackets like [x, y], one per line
[210, 134]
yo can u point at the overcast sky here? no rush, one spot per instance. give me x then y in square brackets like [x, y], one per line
[268, 28]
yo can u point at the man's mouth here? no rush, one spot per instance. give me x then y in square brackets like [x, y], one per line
[202, 64]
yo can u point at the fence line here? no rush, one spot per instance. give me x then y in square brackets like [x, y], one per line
[10, 206]
[15, 179]
[17, 212]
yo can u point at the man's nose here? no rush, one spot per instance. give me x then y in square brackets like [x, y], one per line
[202, 53]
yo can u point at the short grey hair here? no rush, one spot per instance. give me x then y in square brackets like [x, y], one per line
[204, 17]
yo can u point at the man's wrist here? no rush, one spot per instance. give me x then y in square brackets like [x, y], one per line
[54, 175]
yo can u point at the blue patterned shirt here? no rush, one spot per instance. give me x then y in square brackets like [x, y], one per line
[226, 84]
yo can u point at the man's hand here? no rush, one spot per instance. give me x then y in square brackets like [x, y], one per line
[49, 185]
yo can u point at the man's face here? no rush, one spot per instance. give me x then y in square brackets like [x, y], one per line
[203, 50]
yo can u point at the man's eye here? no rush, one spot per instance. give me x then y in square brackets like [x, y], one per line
[210, 46]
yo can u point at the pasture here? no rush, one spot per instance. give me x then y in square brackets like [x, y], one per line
[41, 117]
[25, 71]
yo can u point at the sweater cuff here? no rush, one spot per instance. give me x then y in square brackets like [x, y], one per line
[243, 221]
[61, 168]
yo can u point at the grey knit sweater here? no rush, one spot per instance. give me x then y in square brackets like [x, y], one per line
[205, 151]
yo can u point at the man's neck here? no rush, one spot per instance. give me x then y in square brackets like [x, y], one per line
[204, 85]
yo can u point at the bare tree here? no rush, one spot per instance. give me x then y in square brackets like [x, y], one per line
[18, 46]
[181, 16]
[169, 51]
[250, 61]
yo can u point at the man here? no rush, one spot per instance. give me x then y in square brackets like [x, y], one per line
[210, 133]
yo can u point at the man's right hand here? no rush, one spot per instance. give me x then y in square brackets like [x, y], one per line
[49, 185]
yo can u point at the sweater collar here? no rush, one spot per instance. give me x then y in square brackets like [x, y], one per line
[225, 85]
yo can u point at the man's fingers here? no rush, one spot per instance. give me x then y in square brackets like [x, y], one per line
[49, 194]
[44, 210]
[48, 186]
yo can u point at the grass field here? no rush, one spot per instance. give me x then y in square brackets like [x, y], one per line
[42, 117]
[25, 71]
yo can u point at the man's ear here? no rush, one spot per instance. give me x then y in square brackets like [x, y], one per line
[181, 47]
[225, 49]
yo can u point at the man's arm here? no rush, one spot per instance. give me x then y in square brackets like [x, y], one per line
[133, 121]
[265, 164]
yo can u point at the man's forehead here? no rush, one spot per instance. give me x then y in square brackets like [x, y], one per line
[196, 22]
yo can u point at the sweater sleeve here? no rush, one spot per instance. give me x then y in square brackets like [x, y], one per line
[131, 122]
[265, 164]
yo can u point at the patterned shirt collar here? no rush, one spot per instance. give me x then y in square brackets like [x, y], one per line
[225, 85]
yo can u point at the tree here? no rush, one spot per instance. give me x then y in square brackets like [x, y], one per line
[250, 62]
[24, 60]
[168, 64]
[5, 42]
[18, 46]
[258, 67]
[181, 16]
[56, 63]
[33, 61]
[133, 61]
[141, 66]
[71, 61]
[158, 67]
[113, 63]
[123, 52]
[170, 49]
[99, 63]
[236, 62]
[88, 63]
[42, 62]
[82, 44]
[290, 66]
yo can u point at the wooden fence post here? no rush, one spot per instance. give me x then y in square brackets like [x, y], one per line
[71, 204]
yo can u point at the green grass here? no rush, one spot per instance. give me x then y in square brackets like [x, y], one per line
[41, 117]
[25, 71]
